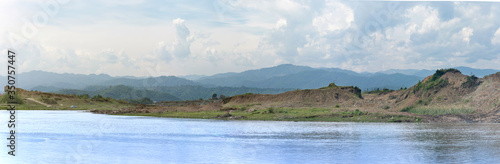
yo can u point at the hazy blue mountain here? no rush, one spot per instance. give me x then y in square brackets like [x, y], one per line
[123, 92]
[34, 79]
[46, 88]
[51, 82]
[197, 92]
[164, 93]
[238, 79]
[149, 82]
[340, 71]
[281, 76]
[193, 77]
[303, 77]
[320, 78]
[477, 72]
[425, 73]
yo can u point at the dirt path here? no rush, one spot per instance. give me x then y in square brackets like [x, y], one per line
[39, 102]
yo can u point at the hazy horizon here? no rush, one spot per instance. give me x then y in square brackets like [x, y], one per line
[177, 38]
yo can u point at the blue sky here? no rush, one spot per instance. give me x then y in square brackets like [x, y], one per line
[153, 38]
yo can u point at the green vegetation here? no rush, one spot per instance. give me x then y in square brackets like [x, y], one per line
[439, 83]
[50, 101]
[441, 72]
[7, 98]
[407, 109]
[122, 92]
[435, 82]
[422, 102]
[379, 91]
[438, 110]
[291, 114]
[472, 81]
[144, 101]
[167, 93]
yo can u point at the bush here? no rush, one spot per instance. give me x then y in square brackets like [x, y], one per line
[144, 100]
[98, 98]
[6, 98]
[472, 81]
[270, 110]
[407, 109]
[441, 72]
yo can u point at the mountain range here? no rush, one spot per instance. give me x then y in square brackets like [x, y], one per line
[275, 79]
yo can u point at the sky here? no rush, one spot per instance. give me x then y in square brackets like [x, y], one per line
[155, 38]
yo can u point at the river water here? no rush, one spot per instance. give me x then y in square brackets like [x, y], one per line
[82, 137]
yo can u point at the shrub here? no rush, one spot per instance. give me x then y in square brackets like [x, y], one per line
[472, 81]
[270, 110]
[406, 109]
[144, 100]
[6, 98]
[49, 100]
[441, 72]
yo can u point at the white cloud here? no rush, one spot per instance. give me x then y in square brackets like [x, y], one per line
[335, 16]
[496, 38]
[423, 19]
[280, 24]
[466, 33]
[136, 36]
[288, 5]
[181, 46]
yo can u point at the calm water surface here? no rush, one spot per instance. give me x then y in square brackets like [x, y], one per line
[82, 137]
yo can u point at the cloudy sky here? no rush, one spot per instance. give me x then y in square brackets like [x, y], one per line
[152, 38]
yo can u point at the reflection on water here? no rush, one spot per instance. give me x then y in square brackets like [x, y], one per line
[81, 137]
[457, 143]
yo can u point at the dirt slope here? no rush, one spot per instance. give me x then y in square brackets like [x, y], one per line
[448, 95]
[324, 97]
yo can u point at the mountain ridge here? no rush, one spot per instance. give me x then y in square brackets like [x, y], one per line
[280, 76]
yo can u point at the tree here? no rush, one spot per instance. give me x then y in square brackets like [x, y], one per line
[214, 96]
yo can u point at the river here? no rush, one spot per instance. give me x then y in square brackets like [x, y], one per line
[83, 137]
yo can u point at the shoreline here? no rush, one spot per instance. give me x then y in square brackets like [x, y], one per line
[362, 118]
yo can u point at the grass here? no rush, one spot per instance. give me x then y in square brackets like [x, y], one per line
[291, 114]
[66, 103]
[438, 110]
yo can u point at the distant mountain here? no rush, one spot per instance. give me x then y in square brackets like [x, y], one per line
[318, 78]
[477, 72]
[193, 77]
[277, 77]
[425, 73]
[239, 79]
[303, 77]
[196, 92]
[164, 93]
[123, 92]
[51, 80]
[149, 82]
